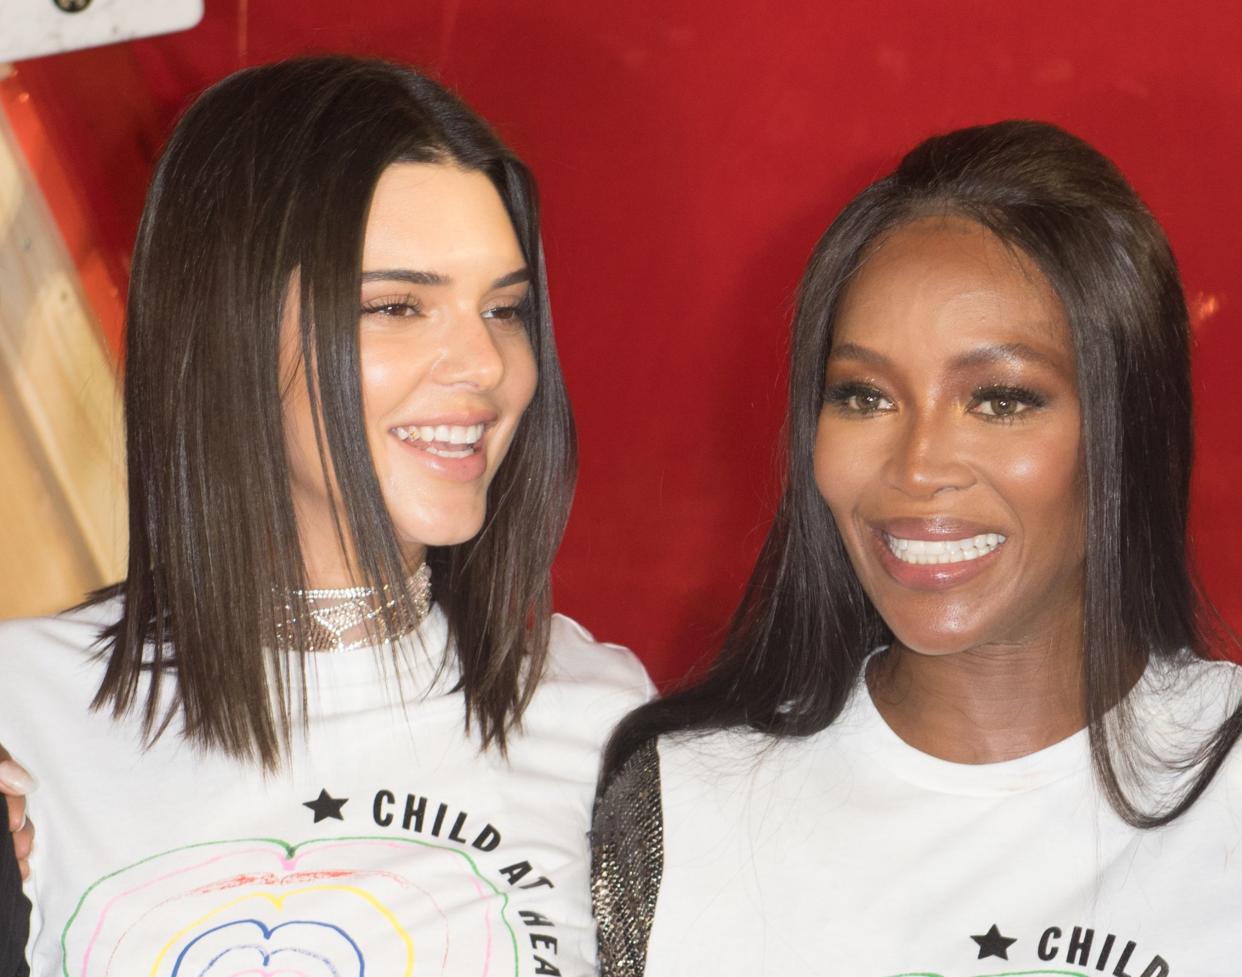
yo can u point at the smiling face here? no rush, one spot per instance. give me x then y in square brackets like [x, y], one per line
[948, 443]
[446, 364]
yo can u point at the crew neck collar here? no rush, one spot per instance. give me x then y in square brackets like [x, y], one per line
[863, 721]
[422, 664]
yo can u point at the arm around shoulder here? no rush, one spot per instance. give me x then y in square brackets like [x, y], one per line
[627, 862]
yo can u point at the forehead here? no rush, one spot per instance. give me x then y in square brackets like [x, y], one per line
[941, 285]
[434, 215]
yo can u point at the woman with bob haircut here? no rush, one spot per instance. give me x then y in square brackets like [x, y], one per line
[989, 454]
[327, 724]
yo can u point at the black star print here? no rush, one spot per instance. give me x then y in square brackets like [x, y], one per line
[992, 944]
[326, 806]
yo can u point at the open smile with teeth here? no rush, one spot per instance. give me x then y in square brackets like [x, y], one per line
[443, 440]
[929, 551]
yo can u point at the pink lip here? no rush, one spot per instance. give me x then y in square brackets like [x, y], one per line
[934, 528]
[467, 469]
[941, 576]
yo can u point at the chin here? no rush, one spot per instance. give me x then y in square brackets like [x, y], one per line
[934, 647]
[448, 530]
[934, 637]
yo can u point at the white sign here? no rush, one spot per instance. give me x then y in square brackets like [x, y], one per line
[29, 28]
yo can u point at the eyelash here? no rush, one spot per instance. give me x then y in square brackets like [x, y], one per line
[839, 396]
[516, 314]
[408, 303]
[1029, 399]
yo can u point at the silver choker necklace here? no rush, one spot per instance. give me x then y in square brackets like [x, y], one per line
[351, 617]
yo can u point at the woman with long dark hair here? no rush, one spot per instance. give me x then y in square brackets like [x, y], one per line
[965, 719]
[327, 724]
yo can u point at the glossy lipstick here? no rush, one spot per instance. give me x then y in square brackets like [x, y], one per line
[935, 554]
[450, 446]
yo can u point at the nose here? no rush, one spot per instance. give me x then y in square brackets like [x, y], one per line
[470, 354]
[929, 456]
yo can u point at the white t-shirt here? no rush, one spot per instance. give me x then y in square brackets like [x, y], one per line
[389, 846]
[850, 853]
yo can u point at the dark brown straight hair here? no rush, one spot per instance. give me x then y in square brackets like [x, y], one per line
[797, 643]
[270, 174]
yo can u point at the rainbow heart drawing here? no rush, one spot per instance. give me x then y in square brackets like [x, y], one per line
[339, 907]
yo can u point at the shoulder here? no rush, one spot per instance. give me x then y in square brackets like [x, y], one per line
[38, 640]
[49, 674]
[1184, 712]
[728, 759]
[576, 660]
[627, 862]
[585, 689]
[633, 787]
[1190, 694]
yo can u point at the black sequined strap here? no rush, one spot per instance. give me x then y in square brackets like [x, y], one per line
[627, 863]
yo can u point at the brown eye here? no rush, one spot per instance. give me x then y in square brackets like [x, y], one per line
[1005, 403]
[869, 401]
[510, 316]
[865, 400]
[393, 310]
[1001, 407]
[858, 399]
[396, 305]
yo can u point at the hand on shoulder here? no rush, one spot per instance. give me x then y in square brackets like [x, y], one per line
[15, 784]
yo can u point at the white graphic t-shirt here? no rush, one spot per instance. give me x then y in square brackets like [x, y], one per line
[852, 854]
[388, 846]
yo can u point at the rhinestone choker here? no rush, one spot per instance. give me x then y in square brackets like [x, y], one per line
[352, 617]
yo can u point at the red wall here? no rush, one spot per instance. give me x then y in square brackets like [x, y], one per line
[690, 153]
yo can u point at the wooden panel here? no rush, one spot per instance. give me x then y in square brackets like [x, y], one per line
[62, 523]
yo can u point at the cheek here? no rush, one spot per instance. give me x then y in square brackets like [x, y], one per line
[1045, 487]
[384, 379]
[521, 373]
[841, 471]
[823, 461]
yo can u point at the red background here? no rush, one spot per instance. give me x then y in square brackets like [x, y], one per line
[690, 153]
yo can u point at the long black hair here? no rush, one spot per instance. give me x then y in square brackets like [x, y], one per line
[797, 643]
[271, 173]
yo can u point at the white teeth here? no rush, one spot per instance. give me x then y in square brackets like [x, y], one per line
[463, 435]
[444, 434]
[926, 552]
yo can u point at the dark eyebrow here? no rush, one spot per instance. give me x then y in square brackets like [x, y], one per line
[982, 356]
[985, 355]
[435, 278]
[852, 351]
[405, 275]
[513, 278]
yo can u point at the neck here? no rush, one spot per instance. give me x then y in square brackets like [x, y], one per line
[983, 705]
[330, 567]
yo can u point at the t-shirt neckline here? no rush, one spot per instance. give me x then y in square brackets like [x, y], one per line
[423, 665]
[1062, 759]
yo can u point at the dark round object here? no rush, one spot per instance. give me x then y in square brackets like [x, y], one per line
[72, 6]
